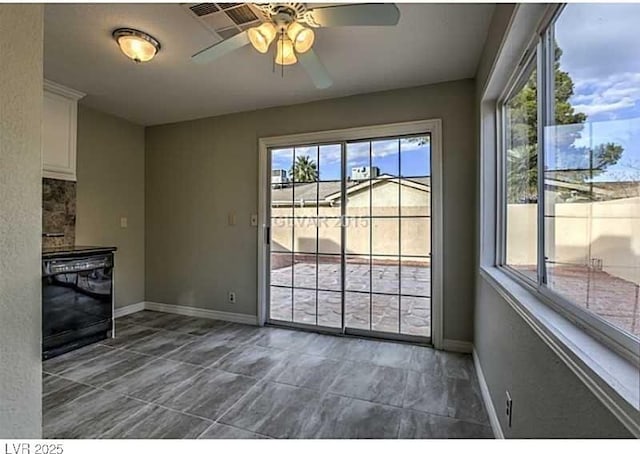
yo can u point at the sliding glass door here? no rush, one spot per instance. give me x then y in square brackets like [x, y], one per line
[349, 241]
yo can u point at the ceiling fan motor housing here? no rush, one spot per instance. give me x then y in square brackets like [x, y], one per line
[283, 14]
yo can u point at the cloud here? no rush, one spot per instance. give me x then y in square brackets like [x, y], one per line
[607, 95]
[598, 40]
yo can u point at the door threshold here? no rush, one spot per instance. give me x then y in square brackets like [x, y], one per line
[354, 333]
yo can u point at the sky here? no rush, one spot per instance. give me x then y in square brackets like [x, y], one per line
[410, 158]
[601, 53]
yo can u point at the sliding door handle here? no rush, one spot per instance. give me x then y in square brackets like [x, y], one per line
[267, 235]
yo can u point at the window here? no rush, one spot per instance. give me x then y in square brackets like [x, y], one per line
[521, 162]
[587, 228]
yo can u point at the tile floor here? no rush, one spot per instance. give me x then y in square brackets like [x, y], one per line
[170, 376]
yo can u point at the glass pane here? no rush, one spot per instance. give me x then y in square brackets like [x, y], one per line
[329, 272]
[415, 277]
[329, 236]
[384, 310]
[281, 304]
[281, 199]
[305, 165]
[385, 157]
[357, 273]
[385, 273]
[357, 310]
[281, 193]
[304, 306]
[305, 234]
[281, 234]
[357, 235]
[304, 271]
[592, 164]
[305, 199]
[415, 156]
[385, 236]
[385, 190]
[282, 269]
[415, 236]
[330, 309]
[330, 163]
[522, 178]
[415, 316]
[385, 197]
[415, 196]
[358, 176]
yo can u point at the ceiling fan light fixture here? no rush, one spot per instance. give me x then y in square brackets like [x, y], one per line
[138, 46]
[262, 36]
[301, 36]
[285, 55]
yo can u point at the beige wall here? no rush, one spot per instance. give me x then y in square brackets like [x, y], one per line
[111, 186]
[20, 220]
[415, 233]
[198, 171]
[609, 231]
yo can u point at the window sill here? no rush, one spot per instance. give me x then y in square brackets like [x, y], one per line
[613, 379]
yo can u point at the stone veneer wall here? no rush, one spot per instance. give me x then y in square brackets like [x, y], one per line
[58, 211]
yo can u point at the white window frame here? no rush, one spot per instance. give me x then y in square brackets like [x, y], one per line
[432, 127]
[541, 46]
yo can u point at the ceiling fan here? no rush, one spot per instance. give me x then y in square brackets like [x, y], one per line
[291, 26]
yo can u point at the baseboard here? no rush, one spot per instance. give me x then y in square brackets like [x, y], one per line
[452, 345]
[486, 397]
[130, 309]
[202, 313]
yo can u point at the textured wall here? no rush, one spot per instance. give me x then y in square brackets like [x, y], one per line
[198, 171]
[58, 211]
[110, 170]
[549, 400]
[20, 220]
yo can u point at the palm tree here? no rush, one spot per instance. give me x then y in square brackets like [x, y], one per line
[304, 170]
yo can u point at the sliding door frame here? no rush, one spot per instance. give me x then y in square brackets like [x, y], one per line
[432, 127]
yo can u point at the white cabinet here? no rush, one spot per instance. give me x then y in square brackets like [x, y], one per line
[59, 124]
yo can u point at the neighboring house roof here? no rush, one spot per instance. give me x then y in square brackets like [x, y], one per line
[605, 189]
[328, 192]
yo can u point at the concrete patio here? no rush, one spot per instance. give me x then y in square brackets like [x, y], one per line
[293, 296]
[614, 299]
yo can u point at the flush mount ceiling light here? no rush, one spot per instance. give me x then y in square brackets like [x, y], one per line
[136, 45]
[291, 26]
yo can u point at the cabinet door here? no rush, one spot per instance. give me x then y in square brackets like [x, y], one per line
[59, 137]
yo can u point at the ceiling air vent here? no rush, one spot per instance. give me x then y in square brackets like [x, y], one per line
[202, 9]
[224, 20]
[241, 15]
[229, 5]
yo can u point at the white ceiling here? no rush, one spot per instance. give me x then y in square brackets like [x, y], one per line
[432, 43]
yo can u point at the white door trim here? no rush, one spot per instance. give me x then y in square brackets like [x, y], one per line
[433, 127]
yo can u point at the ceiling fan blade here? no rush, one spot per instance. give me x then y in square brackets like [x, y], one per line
[222, 48]
[358, 14]
[316, 70]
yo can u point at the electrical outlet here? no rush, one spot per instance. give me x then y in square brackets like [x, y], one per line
[123, 222]
[509, 408]
[232, 297]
